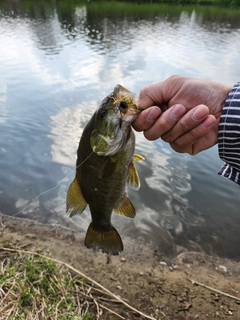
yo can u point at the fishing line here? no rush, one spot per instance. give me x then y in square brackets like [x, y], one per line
[51, 189]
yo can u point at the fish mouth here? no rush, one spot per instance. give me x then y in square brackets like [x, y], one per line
[127, 107]
[135, 109]
[125, 101]
[114, 117]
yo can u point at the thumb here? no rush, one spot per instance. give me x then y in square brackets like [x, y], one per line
[151, 95]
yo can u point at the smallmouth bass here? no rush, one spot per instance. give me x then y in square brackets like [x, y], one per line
[105, 164]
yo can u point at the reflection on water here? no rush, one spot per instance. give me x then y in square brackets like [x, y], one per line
[66, 130]
[59, 60]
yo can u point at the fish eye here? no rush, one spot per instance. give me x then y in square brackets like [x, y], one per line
[103, 113]
[123, 104]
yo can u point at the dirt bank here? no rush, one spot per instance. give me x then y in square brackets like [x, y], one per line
[139, 274]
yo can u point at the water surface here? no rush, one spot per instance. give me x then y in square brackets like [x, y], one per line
[58, 60]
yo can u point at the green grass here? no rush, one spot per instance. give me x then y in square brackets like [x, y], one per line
[32, 287]
[38, 287]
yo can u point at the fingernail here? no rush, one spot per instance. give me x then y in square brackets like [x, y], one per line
[153, 114]
[199, 114]
[178, 111]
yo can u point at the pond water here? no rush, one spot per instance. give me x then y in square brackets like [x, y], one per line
[59, 59]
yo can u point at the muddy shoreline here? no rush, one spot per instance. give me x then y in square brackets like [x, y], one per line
[139, 274]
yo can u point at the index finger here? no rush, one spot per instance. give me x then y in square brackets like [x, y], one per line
[146, 118]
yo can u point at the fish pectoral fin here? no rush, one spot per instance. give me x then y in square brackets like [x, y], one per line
[108, 241]
[75, 200]
[138, 157]
[133, 178]
[107, 168]
[126, 207]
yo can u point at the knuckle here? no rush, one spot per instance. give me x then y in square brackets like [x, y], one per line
[150, 136]
[177, 148]
[143, 92]
[167, 137]
[174, 77]
[182, 145]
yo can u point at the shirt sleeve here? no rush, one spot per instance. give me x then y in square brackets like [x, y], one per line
[229, 136]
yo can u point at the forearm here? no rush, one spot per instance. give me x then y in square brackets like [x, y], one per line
[229, 136]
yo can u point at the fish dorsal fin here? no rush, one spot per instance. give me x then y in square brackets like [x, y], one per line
[75, 200]
[126, 207]
[138, 157]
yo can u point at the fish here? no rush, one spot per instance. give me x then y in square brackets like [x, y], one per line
[104, 167]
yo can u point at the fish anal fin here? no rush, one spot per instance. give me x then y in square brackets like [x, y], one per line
[138, 157]
[133, 178]
[75, 200]
[108, 241]
[126, 207]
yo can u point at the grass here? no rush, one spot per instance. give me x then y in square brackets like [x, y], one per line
[32, 287]
[38, 287]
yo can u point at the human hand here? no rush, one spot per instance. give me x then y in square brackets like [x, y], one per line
[184, 112]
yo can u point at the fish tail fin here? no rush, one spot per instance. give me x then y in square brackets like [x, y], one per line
[108, 241]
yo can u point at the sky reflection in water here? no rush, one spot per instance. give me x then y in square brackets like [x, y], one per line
[57, 64]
